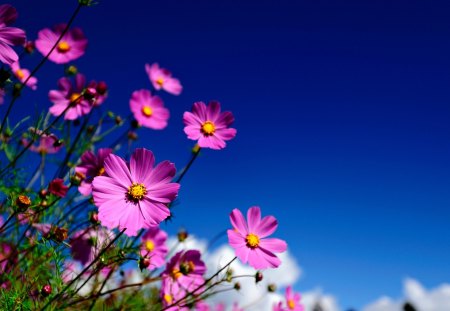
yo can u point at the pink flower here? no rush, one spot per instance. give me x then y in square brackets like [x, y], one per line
[185, 268]
[149, 110]
[90, 167]
[208, 125]
[236, 307]
[23, 74]
[8, 257]
[134, 196]
[48, 143]
[249, 239]
[292, 302]
[154, 247]
[162, 79]
[58, 188]
[170, 293]
[87, 244]
[69, 94]
[9, 35]
[71, 46]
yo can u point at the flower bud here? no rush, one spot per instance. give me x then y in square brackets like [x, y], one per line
[93, 218]
[258, 276]
[271, 288]
[237, 286]
[29, 47]
[196, 149]
[43, 193]
[182, 235]
[90, 94]
[102, 88]
[144, 263]
[71, 70]
[118, 120]
[46, 290]
[132, 135]
[23, 202]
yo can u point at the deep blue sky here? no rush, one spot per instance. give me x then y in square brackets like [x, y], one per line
[342, 113]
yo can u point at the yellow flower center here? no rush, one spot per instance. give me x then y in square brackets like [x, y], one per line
[149, 245]
[160, 81]
[20, 74]
[252, 240]
[168, 298]
[147, 111]
[101, 171]
[208, 128]
[176, 273]
[75, 98]
[136, 191]
[291, 304]
[63, 47]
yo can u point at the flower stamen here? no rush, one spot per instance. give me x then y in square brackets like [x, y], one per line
[63, 47]
[208, 128]
[147, 111]
[252, 240]
[136, 192]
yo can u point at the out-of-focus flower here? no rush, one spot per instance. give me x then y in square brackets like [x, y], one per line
[57, 187]
[44, 229]
[29, 47]
[9, 35]
[292, 302]
[135, 196]
[91, 166]
[71, 46]
[170, 293]
[185, 268]
[48, 143]
[22, 74]
[149, 110]
[70, 94]
[162, 79]
[8, 257]
[236, 307]
[86, 244]
[208, 125]
[154, 247]
[248, 238]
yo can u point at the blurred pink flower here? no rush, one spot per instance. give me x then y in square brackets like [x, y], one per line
[149, 110]
[71, 46]
[248, 238]
[208, 125]
[292, 302]
[22, 74]
[57, 187]
[8, 257]
[162, 79]
[135, 196]
[69, 94]
[9, 35]
[48, 143]
[86, 244]
[170, 293]
[91, 166]
[185, 268]
[154, 247]
[236, 307]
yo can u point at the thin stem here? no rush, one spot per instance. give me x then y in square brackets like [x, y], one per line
[184, 171]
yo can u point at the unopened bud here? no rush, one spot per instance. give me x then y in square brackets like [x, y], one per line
[196, 149]
[94, 218]
[258, 276]
[132, 135]
[71, 70]
[23, 202]
[144, 263]
[60, 234]
[134, 124]
[237, 286]
[271, 288]
[90, 129]
[43, 193]
[102, 88]
[118, 120]
[29, 47]
[46, 290]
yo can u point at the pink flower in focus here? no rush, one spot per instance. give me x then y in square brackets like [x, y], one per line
[23, 74]
[48, 143]
[71, 46]
[185, 268]
[162, 79]
[9, 35]
[149, 110]
[208, 125]
[58, 188]
[87, 244]
[69, 94]
[154, 247]
[134, 196]
[248, 238]
[91, 166]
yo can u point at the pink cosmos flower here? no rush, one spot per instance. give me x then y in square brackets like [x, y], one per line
[292, 302]
[248, 238]
[72, 44]
[9, 35]
[87, 244]
[22, 74]
[58, 188]
[48, 143]
[134, 196]
[236, 307]
[154, 247]
[162, 79]
[185, 268]
[91, 166]
[208, 125]
[149, 110]
[8, 257]
[170, 293]
[69, 94]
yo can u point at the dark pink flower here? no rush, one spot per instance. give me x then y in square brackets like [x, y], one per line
[154, 247]
[86, 244]
[69, 94]
[8, 257]
[208, 125]
[185, 268]
[248, 238]
[58, 188]
[134, 196]
[91, 166]
[162, 79]
[22, 74]
[149, 110]
[72, 44]
[9, 35]
[48, 143]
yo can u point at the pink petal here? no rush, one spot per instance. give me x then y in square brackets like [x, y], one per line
[117, 169]
[253, 218]
[238, 221]
[266, 227]
[141, 164]
[273, 245]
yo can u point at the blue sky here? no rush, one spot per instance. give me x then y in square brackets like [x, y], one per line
[342, 112]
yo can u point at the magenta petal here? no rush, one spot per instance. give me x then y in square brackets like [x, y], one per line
[213, 111]
[117, 169]
[253, 218]
[266, 227]
[141, 164]
[273, 245]
[235, 239]
[164, 193]
[238, 221]
[162, 173]
[7, 54]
